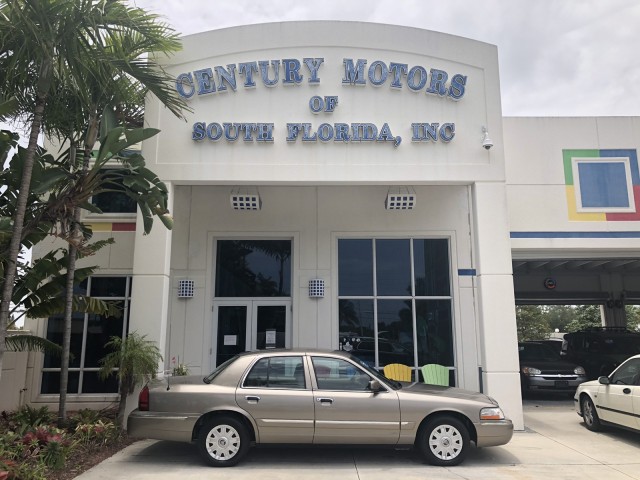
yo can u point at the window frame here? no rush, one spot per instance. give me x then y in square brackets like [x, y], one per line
[413, 297]
[81, 369]
[625, 161]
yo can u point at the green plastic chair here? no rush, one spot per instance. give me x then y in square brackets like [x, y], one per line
[435, 374]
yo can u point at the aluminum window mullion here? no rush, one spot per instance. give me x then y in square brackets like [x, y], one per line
[375, 303]
[413, 308]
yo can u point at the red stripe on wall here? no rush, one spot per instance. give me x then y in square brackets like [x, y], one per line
[628, 217]
[123, 227]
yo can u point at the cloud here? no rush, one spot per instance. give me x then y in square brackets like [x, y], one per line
[557, 57]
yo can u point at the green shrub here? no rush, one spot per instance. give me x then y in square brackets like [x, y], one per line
[96, 434]
[32, 417]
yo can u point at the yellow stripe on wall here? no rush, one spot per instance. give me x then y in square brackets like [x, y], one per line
[581, 217]
[101, 227]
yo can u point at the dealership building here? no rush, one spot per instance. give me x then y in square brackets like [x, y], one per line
[355, 186]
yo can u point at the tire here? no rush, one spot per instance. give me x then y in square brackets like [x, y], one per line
[223, 441]
[443, 441]
[589, 414]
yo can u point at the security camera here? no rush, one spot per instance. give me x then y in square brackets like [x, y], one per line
[486, 141]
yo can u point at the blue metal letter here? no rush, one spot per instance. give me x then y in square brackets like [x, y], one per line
[264, 132]
[325, 132]
[447, 131]
[397, 69]
[264, 72]
[182, 80]
[247, 69]
[226, 76]
[198, 131]
[342, 132]
[203, 78]
[456, 90]
[291, 71]
[422, 78]
[330, 103]
[292, 131]
[316, 104]
[438, 80]
[353, 75]
[228, 134]
[214, 131]
[313, 64]
[374, 68]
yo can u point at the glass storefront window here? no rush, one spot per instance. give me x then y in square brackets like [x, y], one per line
[89, 333]
[253, 268]
[407, 317]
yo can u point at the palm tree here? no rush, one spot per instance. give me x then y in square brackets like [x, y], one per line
[79, 47]
[134, 360]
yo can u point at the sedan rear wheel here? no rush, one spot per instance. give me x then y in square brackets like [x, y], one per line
[223, 441]
[443, 441]
[590, 415]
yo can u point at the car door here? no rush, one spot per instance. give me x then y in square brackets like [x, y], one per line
[276, 393]
[346, 410]
[616, 400]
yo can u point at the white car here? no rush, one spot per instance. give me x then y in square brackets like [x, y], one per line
[612, 400]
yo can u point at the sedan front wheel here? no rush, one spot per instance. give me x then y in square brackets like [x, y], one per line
[223, 441]
[443, 441]
[589, 414]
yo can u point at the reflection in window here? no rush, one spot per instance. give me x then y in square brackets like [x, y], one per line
[114, 201]
[253, 268]
[89, 333]
[401, 320]
[336, 374]
[277, 372]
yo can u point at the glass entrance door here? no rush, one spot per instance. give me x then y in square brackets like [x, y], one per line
[245, 325]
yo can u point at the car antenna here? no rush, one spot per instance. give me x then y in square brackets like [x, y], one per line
[169, 374]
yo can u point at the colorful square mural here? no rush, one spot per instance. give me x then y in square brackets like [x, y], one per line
[602, 185]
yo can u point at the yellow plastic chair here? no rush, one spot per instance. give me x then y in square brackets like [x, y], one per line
[398, 371]
[435, 374]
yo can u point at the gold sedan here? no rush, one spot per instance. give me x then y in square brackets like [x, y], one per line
[314, 397]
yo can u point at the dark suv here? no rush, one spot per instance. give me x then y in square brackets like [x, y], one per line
[600, 349]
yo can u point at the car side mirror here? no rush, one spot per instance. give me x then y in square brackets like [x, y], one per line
[604, 380]
[375, 386]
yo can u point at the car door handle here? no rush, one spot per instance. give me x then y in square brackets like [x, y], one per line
[325, 400]
[626, 390]
[253, 399]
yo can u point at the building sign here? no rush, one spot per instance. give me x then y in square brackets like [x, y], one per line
[271, 73]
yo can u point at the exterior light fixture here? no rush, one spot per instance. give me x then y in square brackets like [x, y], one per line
[186, 288]
[316, 288]
[400, 198]
[487, 143]
[245, 199]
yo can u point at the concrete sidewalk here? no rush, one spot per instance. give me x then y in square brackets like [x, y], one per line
[554, 445]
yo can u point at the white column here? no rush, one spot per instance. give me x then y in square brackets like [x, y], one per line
[151, 281]
[498, 338]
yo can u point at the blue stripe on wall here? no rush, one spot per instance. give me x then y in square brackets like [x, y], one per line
[467, 272]
[575, 234]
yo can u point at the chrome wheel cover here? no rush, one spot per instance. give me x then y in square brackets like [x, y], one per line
[587, 411]
[445, 442]
[222, 442]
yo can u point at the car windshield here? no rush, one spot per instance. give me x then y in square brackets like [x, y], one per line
[373, 372]
[209, 378]
[537, 352]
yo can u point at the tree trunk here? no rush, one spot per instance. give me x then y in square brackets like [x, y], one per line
[11, 265]
[76, 239]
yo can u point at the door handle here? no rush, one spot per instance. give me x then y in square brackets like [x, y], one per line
[253, 399]
[325, 400]
[626, 390]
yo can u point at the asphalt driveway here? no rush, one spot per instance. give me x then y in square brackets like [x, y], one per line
[554, 445]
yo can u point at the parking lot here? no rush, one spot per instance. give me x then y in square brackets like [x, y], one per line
[554, 445]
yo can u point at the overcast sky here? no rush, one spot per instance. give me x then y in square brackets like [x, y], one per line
[557, 57]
